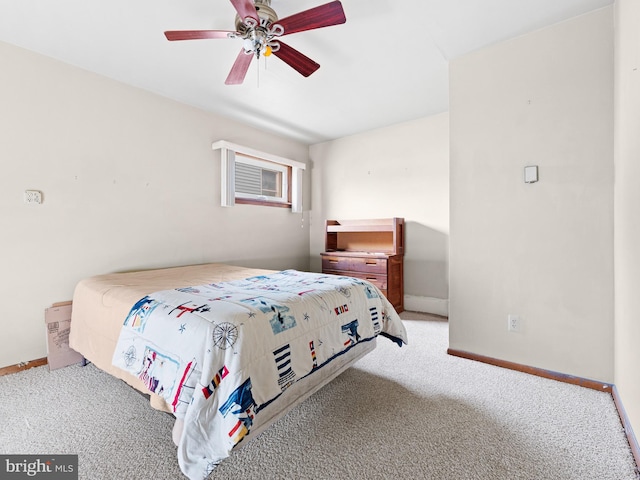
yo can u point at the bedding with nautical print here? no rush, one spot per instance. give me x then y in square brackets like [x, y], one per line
[220, 353]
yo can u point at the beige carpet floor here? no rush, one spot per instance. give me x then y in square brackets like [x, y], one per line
[401, 413]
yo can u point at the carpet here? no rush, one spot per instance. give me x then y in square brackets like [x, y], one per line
[411, 412]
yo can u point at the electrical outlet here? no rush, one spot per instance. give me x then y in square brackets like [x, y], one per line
[32, 196]
[514, 323]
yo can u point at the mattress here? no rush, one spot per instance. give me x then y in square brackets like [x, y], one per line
[102, 302]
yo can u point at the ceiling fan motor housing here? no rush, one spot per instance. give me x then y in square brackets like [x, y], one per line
[267, 16]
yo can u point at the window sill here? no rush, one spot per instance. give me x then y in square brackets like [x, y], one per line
[264, 203]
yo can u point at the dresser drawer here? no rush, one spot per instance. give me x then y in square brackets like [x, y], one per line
[355, 264]
[335, 263]
[379, 281]
[369, 265]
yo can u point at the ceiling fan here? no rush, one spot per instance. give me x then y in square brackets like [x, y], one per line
[259, 27]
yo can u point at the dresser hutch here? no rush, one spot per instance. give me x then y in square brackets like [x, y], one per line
[369, 249]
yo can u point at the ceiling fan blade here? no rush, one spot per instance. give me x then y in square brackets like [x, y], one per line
[296, 60]
[246, 8]
[239, 69]
[196, 34]
[317, 17]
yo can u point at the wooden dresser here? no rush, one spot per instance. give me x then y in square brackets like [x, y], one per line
[369, 249]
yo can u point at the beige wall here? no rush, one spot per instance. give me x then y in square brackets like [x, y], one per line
[129, 181]
[627, 207]
[398, 171]
[543, 251]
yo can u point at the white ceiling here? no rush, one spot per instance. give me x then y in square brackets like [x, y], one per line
[387, 64]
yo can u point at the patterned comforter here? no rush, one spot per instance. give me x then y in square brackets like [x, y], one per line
[220, 353]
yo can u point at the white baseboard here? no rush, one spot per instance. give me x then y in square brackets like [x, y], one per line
[435, 306]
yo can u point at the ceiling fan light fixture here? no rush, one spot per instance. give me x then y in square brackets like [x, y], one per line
[259, 28]
[248, 45]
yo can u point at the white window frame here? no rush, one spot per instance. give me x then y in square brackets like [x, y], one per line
[228, 152]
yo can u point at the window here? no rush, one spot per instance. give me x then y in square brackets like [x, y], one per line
[253, 177]
[260, 180]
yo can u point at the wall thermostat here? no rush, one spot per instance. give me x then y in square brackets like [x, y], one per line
[531, 174]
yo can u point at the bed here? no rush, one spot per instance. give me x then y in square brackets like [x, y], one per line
[227, 350]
